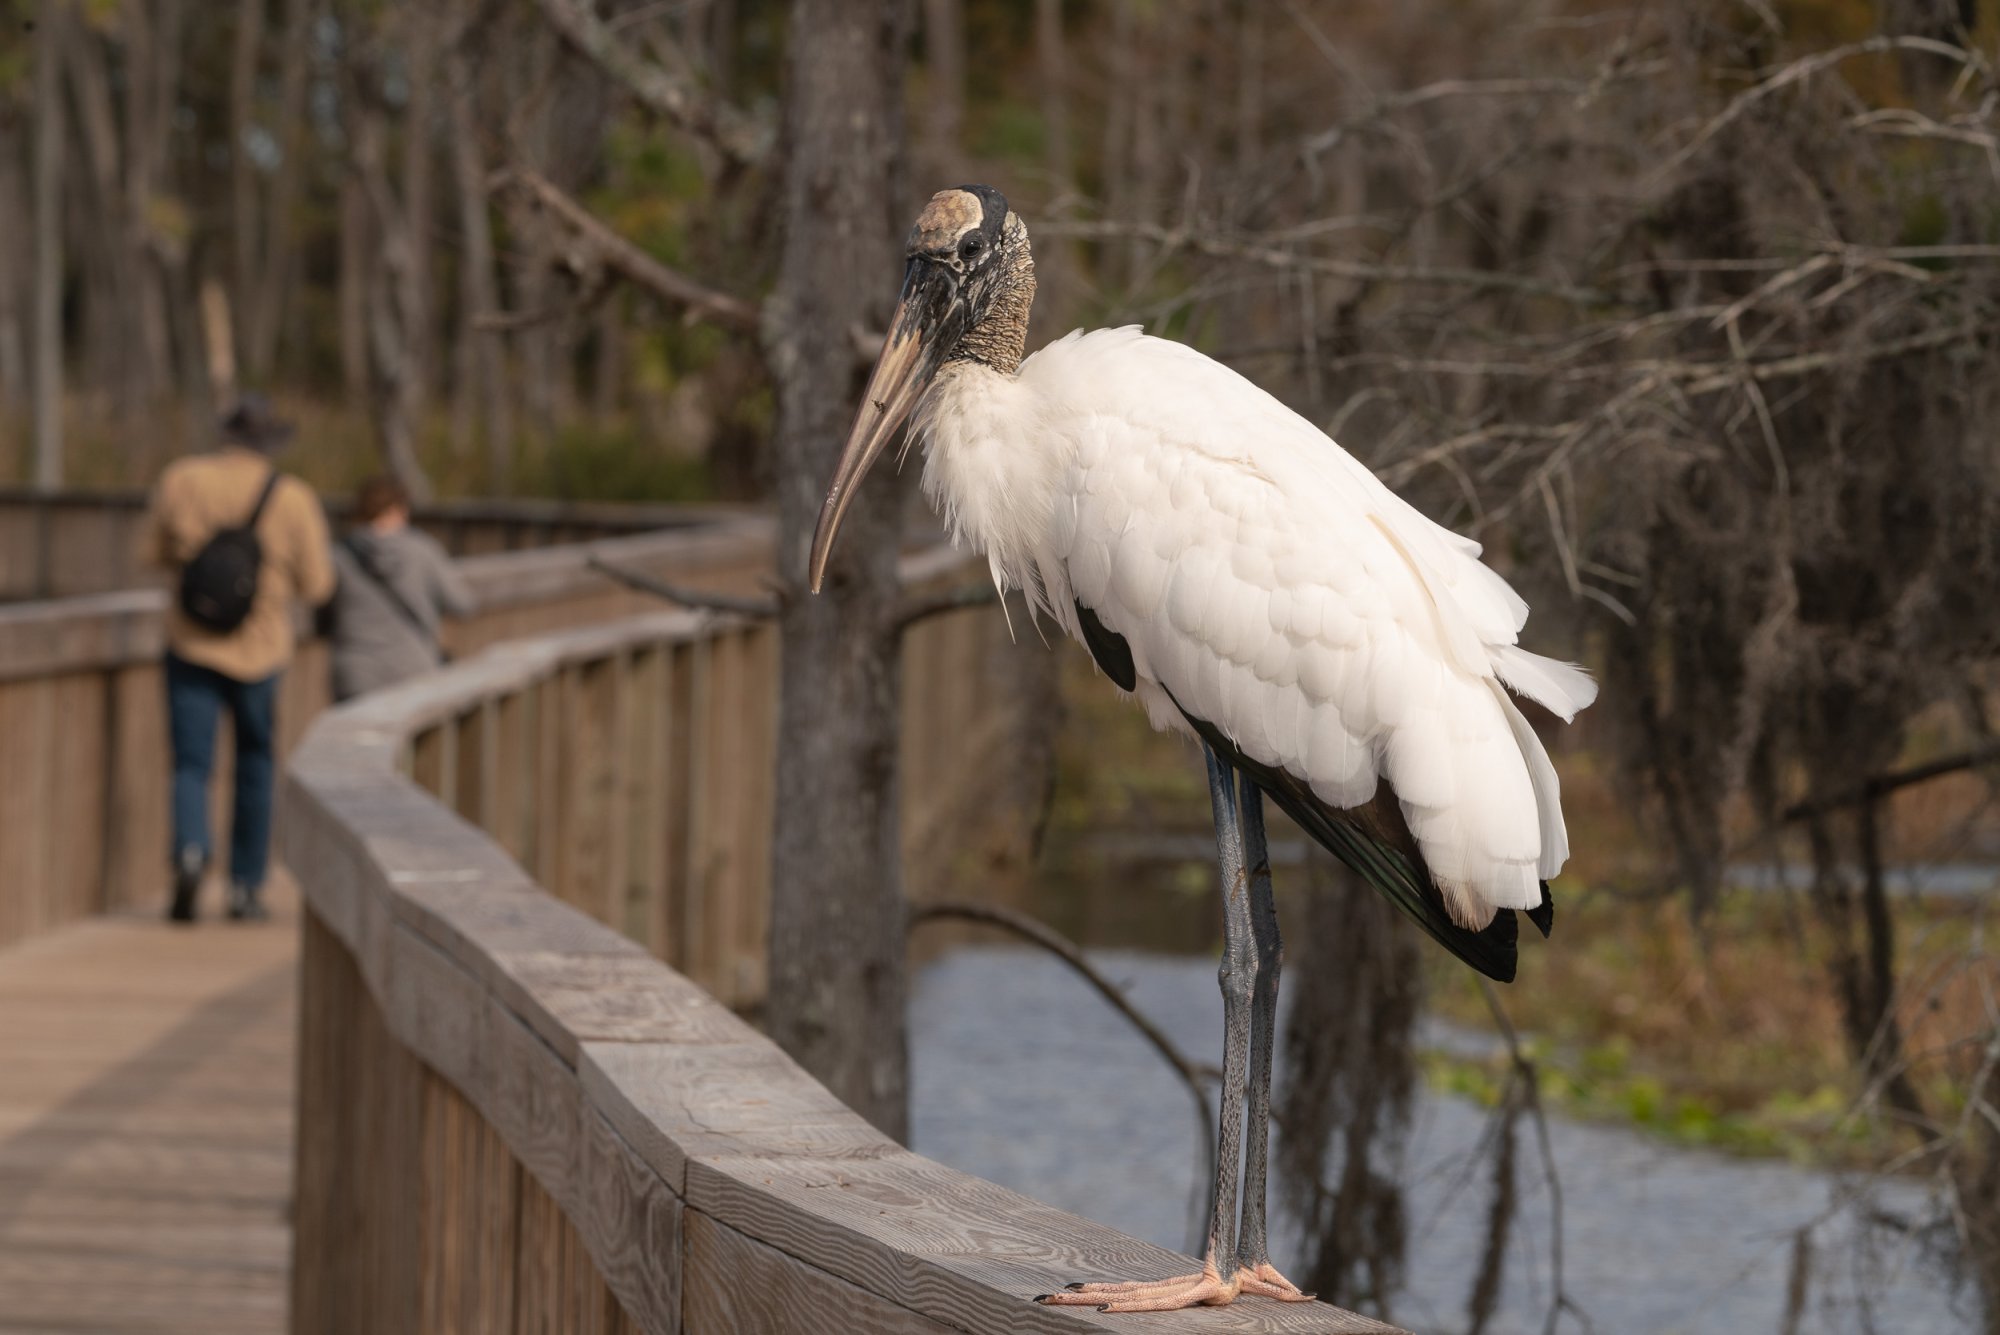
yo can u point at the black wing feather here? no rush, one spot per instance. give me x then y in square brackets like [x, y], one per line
[1108, 647]
[1400, 876]
[1402, 879]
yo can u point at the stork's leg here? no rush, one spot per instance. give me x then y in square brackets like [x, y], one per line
[1254, 1271]
[1217, 1282]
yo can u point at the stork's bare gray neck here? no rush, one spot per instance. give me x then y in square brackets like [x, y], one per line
[1001, 337]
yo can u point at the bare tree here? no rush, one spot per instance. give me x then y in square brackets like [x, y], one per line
[479, 369]
[1349, 1077]
[264, 314]
[48, 271]
[393, 282]
[15, 213]
[837, 913]
[246, 60]
[943, 121]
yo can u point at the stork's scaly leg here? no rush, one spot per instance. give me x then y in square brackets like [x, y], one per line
[1254, 1271]
[1217, 1282]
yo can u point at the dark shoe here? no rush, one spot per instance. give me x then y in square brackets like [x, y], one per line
[187, 884]
[245, 906]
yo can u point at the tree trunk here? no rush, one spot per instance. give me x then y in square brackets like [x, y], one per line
[413, 288]
[152, 57]
[1975, 1169]
[353, 297]
[48, 333]
[264, 317]
[1057, 262]
[482, 352]
[109, 263]
[944, 84]
[14, 267]
[242, 171]
[1052, 71]
[389, 308]
[1124, 107]
[528, 273]
[1864, 973]
[1349, 1075]
[838, 979]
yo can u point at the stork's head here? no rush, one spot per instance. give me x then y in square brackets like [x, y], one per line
[968, 281]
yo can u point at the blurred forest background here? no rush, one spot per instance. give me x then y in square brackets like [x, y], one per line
[1689, 311]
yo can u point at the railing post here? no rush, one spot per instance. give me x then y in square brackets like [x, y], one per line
[358, 1179]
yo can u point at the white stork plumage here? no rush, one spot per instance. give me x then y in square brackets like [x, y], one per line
[1255, 587]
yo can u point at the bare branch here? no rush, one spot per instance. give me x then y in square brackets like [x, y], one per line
[913, 612]
[1797, 72]
[1531, 1087]
[686, 597]
[1041, 934]
[976, 593]
[656, 88]
[1271, 257]
[628, 260]
[1881, 785]
[1391, 103]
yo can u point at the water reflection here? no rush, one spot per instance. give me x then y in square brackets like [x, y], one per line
[1023, 1076]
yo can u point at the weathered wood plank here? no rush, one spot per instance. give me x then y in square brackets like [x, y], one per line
[631, 1231]
[357, 1242]
[956, 1248]
[674, 1102]
[472, 1205]
[736, 1283]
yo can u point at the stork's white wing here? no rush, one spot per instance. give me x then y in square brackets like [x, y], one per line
[1276, 589]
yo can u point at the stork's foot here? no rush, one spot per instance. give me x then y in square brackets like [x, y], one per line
[1206, 1288]
[1263, 1278]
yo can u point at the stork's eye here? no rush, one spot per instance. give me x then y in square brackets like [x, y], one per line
[968, 249]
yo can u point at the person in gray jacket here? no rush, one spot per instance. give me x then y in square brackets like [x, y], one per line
[396, 585]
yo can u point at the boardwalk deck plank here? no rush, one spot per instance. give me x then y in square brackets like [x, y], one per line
[146, 1127]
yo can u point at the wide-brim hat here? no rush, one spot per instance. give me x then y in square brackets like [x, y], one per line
[255, 423]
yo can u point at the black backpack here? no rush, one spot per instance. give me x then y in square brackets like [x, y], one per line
[219, 585]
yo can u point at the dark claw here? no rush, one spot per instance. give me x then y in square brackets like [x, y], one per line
[1076, 1287]
[1105, 1308]
[1043, 1297]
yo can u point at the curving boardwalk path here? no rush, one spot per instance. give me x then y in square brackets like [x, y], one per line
[146, 1126]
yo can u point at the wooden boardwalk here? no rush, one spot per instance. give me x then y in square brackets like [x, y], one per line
[146, 1126]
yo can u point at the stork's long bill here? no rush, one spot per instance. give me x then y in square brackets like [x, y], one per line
[958, 269]
[910, 357]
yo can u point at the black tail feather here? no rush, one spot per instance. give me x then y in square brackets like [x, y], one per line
[1398, 875]
[1543, 915]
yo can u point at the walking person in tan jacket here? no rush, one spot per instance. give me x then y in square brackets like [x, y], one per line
[244, 542]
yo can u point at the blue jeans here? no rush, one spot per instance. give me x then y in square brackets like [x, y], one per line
[195, 698]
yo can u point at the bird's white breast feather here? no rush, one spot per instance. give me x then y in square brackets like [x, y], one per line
[1269, 582]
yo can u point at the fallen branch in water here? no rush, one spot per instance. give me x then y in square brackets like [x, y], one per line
[1529, 1082]
[1041, 934]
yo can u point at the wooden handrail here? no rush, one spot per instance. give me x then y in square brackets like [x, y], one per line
[80, 542]
[95, 631]
[469, 1039]
[83, 815]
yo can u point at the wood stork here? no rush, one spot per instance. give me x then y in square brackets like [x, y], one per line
[1253, 586]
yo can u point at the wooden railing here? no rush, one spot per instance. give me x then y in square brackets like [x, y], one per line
[513, 1115]
[83, 748]
[69, 544]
